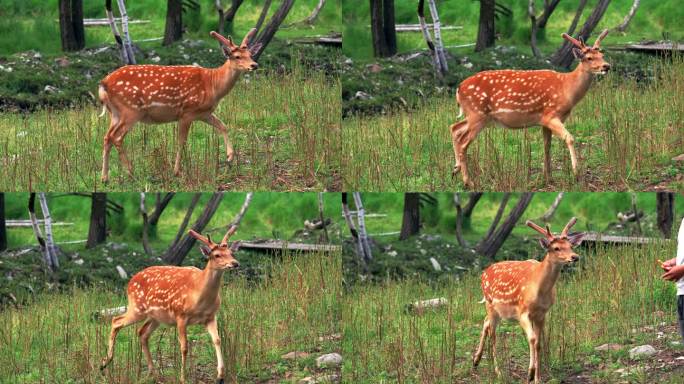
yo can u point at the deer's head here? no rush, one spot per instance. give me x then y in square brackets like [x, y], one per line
[591, 58]
[239, 56]
[219, 256]
[559, 248]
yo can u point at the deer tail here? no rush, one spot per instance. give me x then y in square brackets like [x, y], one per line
[104, 98]
[460, 109]
[482, 301]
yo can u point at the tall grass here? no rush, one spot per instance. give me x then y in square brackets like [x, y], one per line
[284, 128]
[613, 296]
[55, 340]
[626, 133]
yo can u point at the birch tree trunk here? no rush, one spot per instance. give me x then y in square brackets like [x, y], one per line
[347, 216]
[548, 215]
[49, 240]
[364, 246]
[439, 45]
[625, 22]
[126, 37]
[115, 31]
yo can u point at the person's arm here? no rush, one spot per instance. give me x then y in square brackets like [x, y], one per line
[675, 273]
[667, 264]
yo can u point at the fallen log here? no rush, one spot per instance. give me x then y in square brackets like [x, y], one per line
[417, 28]
[419, 307]
[105, 314]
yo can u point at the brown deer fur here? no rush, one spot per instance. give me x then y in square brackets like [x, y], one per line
[518, 99]
[525, 291]
[179, 296]
[157, 94]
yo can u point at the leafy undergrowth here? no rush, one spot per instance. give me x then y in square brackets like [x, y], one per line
[294, 307]
[614, 295]
[627, 134]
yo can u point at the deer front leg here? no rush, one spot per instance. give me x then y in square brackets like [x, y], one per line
[464, 141]
[183, 341]
[558, 129]
[532, 341]
[547, 155]
[480, 348]
[118, 322]
[218, 124]
[457, 129]
[183, 129]
[213, 332]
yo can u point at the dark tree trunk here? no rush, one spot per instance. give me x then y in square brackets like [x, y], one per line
[174, 22]
[272, 27]
[347, 216]
[665, 208]
[262, 15]
[410, 224]
[3, 228]
[177, 252]
[97, 233]
[226, 18]
[473, 199]
[71, 25]
[486, 32]
[159, 207]
[488, 247]
[563, 56]
[383, 28]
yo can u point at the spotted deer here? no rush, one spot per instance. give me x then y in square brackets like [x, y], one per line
[157, 94]
[519, 99]
[179, 296]
[525, 291]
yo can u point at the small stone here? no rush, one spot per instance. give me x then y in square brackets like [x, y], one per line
[468, 65]
[329, 360]
[79, 261]
[155, 59]
[361, 95]
[374, 68]
[423, 252]
[122, 272]
[435, 264]
[392, 253]
[642, 351]
[332, 337]
[294, 355]
[51, 89]
[109, 259]
[62, 62]
[608, 347]
[678, 158]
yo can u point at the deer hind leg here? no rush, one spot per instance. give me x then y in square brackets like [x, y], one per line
[457, 130]
[464, 140]
[216, 340]
[183, 129]
[558, 129]
[107, 147]
[144, 333]
[119, 322]
[221, 128]
[547, 154]
[183, 341]
[533, 342]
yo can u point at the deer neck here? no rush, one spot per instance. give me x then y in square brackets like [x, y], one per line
[546, 276]
[210, 284]
[224, 79]
[577, 83]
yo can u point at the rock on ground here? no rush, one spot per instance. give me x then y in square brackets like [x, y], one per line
[642, 351]
[329, 360]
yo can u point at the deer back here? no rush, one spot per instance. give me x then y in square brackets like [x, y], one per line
[504, 282]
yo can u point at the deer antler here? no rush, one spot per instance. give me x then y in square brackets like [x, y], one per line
[574, 41]
[205, 240]
[546, 232]
[248, 37]
[568, 226]
[598, 39]
[230, 232]
[228, 42]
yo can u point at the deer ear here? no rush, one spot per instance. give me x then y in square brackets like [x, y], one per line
[544, 242]
[205, 250]
[575, 239]
[578, 53]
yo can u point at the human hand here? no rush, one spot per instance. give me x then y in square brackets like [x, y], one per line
[674, 273]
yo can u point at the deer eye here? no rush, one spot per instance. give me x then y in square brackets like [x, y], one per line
[589, 59]
[556, 249]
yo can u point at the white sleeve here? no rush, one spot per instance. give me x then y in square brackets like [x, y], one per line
[680, 242]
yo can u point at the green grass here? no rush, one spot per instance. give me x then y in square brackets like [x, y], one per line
[626, 133]
[37, 22]
[651, 21]
[282, 126]
[55, 340]
[613, 296]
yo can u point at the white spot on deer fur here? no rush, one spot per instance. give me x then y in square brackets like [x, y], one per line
[471, 86]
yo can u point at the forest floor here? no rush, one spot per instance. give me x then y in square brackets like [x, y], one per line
[613, 296]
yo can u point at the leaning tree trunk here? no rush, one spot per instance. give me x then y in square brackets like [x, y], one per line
[410, 224]
[314, 14]
[177, 252]
[271, 28]
[625, 22]
[563, 56]
[489, 247]
[3, 228]
[174, 22]
[347, 216]
[71, 25]
[363, 242]
[459, 221]
[97, 232]
[262, 17]
[127, 55]
[486, 32]
[225, 19]
[321, 217]
[575, 20]
[50, 247]
[665, 212]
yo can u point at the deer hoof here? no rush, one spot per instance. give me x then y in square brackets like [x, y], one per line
[220, 381]
[456, 170]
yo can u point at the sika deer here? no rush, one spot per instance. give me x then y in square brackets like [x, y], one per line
[178, 295]
[518, 99]
[157, 94]
[525, 291]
